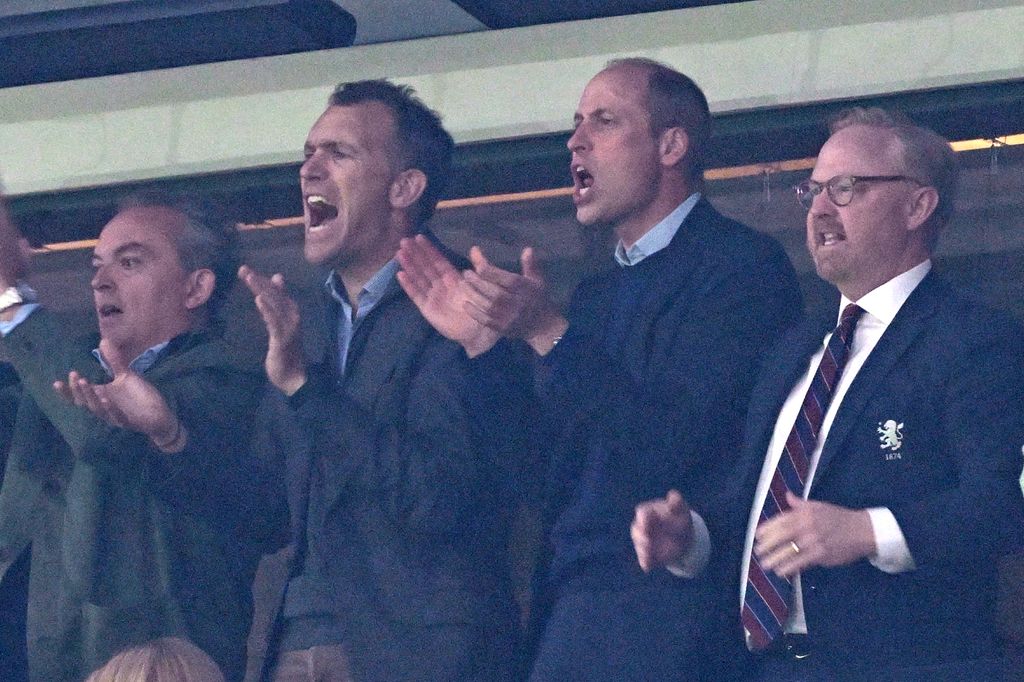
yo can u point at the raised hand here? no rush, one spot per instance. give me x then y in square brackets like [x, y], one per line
[662, 531]
[514, 305]
[285, 364]
[13, 251]
[128, 402]
[441, 294]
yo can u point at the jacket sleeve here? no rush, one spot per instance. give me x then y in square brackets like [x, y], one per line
[41, 351]
[221, 473]
[982, 433]
[215, 476]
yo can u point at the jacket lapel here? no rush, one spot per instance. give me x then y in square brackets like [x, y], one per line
[783, 368]
[397, 329]
[681, 258]
[897, 339]
[670, 275]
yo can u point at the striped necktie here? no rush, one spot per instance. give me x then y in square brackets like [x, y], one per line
[766, 605]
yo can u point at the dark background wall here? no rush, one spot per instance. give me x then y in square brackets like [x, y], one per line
[982, 249]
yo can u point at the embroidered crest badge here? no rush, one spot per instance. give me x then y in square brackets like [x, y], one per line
[890, 434]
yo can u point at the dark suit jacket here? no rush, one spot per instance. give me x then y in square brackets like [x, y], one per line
[14, 584]
[413, 537]
[952, 373]
[127, 543]
[666, 402]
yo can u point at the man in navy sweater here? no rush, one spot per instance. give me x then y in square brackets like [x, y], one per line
[645, 376]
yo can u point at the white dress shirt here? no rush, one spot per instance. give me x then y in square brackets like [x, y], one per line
[880, 307]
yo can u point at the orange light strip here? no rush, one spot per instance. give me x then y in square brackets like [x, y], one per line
[974, 145]
[712, 175]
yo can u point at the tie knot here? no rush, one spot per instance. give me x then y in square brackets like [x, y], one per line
[847, 321]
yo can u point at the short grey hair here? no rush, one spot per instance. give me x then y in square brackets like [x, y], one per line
[925, 155]
[674, 100]
[209, 240]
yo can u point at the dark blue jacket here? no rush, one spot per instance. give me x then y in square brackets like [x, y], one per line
[952, 372]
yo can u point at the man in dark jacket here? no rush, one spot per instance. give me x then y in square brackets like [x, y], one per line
[647, 376]
[883, 444]
[398, 505]
[131, 483]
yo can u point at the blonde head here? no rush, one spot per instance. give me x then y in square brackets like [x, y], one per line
[168, 659]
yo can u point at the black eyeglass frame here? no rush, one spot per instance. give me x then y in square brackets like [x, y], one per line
[808, 189]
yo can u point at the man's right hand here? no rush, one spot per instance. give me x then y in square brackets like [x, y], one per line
[439, 291]
[662, 531]
[285, 365]
[128, 402]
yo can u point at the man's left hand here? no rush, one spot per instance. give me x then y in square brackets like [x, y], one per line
[440, 292]
[812, 533]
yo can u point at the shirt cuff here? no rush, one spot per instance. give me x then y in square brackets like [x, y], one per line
[696, 558]
[23, 312]
[893, 554]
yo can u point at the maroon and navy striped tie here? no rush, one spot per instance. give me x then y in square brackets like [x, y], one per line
[766, 605]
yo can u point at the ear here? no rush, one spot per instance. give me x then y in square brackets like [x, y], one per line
[407, 188]
[922, 205]
[199, 287]
[673, 145]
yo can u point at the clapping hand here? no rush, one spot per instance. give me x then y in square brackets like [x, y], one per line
[285, 364]
[442, 295]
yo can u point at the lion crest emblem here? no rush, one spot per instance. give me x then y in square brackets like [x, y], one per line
[890, 434]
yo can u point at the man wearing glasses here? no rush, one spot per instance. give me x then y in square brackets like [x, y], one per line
[883, 443]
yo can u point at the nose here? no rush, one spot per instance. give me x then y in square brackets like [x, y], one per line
[101, 280]
[577, 141]
[312, 167]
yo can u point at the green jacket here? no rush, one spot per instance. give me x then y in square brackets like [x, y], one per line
[129, 543]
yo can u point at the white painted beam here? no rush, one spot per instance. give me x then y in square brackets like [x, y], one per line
[497, 84]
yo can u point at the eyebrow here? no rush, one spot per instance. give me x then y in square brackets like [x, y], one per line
[601, 111]
[330, 145]
[121, 250]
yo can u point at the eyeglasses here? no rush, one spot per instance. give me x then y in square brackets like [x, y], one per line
[840, 187]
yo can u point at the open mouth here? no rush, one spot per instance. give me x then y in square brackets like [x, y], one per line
[319, 210]
[828, 232]
[582, 179]
[828, 237]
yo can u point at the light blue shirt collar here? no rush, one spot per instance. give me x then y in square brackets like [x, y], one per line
[658, 237]
[375, 289]
[372, 292]
[19, 316]
[140, 364]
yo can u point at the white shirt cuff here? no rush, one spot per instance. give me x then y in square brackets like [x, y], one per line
[693, 561]
[893, 554]
[24, 311]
